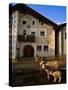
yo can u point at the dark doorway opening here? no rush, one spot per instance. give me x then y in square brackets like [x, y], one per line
[28, 51]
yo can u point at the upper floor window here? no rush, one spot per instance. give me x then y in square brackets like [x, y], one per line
[24, 21]
[39, 48]
[42, 33]
[33, 33]
[45, 48]
[42, 23]
[33, 22]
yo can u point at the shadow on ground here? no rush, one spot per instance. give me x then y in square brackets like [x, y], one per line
[34, 77]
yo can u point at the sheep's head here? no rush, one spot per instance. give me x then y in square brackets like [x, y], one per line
[38, 59]
[51, 72]
[42, 62]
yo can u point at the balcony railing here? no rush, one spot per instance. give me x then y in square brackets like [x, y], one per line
[27, 38]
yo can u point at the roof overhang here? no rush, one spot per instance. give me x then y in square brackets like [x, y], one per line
[23, 8]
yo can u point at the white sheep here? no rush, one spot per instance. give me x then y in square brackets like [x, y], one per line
[51, 68]
[56, 75]
[37, 59]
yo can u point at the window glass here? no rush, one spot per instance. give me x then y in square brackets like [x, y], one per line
[39, 48]
[45, 48]
[33, 22]
[42, 33]
[42, 23]
[24, 22]
[33, 33]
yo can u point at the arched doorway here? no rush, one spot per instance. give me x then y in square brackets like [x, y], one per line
[28, 51]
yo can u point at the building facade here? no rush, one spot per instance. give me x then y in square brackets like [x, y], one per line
[61, 40]
[33, 34]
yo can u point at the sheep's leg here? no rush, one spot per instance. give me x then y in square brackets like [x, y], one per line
[48, 76]
[59, 79]
[54, 79]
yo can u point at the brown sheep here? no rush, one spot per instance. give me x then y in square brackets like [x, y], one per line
[50, 67]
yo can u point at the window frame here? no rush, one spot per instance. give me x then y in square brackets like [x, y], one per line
[42, 32]
[23, 22]
[33, 22]
[39, 48]
[33, 34]
[44, 48]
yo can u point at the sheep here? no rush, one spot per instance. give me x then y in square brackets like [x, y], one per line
[38, 59]
[54, 63]
[51, 68]
[56, 75]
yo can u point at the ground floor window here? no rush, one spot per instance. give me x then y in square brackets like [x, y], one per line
[39, 48]
[45, 48]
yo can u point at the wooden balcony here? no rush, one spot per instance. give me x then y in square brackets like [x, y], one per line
[28, 38]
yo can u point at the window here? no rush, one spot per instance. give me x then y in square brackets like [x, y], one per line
[42, 23]
[33, 22]
[24, 32]
[33, 33]
[42, 33]
[39, 48]
[45, 48]
[17, 52]
[24, 22]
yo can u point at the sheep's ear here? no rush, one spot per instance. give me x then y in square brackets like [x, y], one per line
[42, 58]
